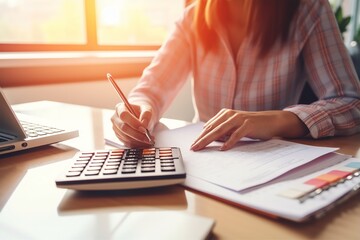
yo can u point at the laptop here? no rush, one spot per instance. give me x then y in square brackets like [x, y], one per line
[20, 132]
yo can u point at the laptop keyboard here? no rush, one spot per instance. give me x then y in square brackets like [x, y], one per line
[4, 139]
[36, 130]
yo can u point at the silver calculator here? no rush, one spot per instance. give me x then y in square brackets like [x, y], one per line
[127, 168]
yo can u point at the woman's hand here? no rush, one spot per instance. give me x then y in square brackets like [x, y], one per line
[130, 129]
[233, 125]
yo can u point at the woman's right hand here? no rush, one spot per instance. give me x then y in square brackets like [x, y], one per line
[128, 128]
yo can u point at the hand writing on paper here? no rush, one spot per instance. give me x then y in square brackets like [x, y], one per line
[258, 125]
[129, 107]
[129, 129]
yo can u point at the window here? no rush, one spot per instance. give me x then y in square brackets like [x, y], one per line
[135, 22]
[42, 22]
[33, 25]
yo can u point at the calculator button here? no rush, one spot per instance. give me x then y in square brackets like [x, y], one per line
[101, 154]
[168, 169]
[96, 164]
[148, 169]
[129, 167]
[130, 162]
[116, 153]
[148, 162]
[76, 170]
[110, 171]
[111, 167]
[167, 161]
[129, 170]
[94, 168]
[80, 165]
[91, 172]
[112, 164]
[73, 174]
[114, 161]
[86, 155]
[165, 149]
[149, 150]
[133, 155]
[82, 160]
[148, 154]
[167, 165]
[169, 153]
[148, 166]
[98, 161]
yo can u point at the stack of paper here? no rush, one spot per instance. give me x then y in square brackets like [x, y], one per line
[258, 174]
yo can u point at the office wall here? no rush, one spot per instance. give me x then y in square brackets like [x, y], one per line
[96, 94]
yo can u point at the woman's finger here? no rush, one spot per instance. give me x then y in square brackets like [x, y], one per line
[127, 127]
[239, 133]
[131, 142]
[212, 124]
[215, 118]
[209, 136]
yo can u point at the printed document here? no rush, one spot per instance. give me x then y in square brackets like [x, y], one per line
[250, 163]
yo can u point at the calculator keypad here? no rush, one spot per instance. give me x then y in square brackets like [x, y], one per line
[124, 162]
[120, 169]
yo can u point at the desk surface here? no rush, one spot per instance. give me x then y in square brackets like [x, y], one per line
[28, 191]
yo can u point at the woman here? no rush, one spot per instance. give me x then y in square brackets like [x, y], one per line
[249, 60]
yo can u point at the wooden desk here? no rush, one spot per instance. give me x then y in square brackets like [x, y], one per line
[28, 193]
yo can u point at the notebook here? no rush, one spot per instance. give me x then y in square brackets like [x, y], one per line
[20, 132]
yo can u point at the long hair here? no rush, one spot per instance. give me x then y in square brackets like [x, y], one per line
[268, 21]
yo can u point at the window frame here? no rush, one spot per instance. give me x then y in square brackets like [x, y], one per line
[39, 64]
[91, 39]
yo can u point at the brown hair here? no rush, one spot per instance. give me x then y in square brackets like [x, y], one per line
[269, 20]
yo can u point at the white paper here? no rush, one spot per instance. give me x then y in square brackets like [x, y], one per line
[248, 164]
[266, 199]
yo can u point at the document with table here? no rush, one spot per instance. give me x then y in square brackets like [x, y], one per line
[279, 178]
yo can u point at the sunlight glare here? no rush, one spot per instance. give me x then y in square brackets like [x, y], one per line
[112, 14]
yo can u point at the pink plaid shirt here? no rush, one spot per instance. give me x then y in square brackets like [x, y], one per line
[315, 53]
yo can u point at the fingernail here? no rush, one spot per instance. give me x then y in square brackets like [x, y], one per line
[142, 129]
[193, 147]
[223, 147]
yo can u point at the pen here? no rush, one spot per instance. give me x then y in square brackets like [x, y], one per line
[127, 104]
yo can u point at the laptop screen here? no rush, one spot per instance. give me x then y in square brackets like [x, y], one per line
[9, 124]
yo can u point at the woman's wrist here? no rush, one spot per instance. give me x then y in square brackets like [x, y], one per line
[291, 126]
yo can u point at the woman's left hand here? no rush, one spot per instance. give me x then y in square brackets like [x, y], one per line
[234, 125]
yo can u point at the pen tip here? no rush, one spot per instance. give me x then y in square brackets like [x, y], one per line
[108, 75]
